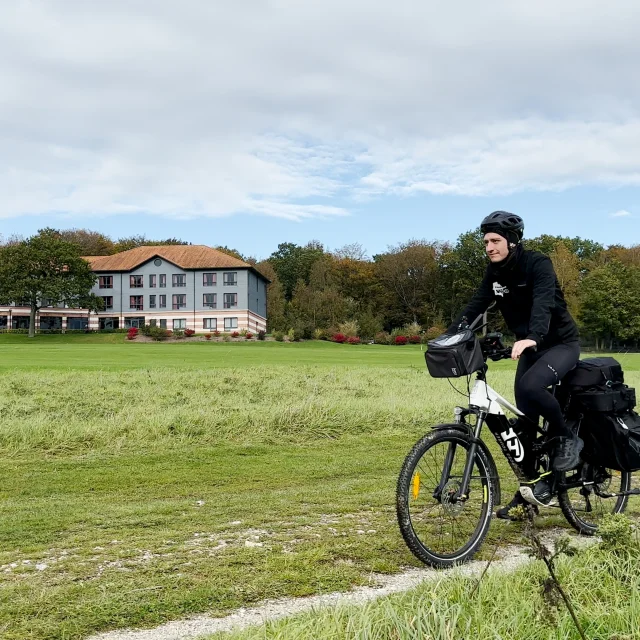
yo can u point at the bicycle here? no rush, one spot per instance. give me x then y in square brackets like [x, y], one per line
[449, 481]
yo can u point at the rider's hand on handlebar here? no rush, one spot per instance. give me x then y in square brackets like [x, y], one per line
[520, 346]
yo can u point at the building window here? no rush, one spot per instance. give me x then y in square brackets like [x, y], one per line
[136, 282]
[108, 323]
[209, 279]
[134, 322]
[152, 322]
[49, 323]
[179, 300]
[157, 262]
[163, 301]
[152, 302]
[105, 282]
[179, 279]
[179, 323]
[163, 280]
[209, 300]
[77, 323]
[230, 300]
[163, 323]
[152, 280]
[230, 278]
[108, 302]
[136, 302]
[210, 323]
[230, 323]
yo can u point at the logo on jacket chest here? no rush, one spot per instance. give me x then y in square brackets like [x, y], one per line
[499, 290]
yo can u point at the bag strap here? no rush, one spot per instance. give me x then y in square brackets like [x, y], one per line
[608, 381]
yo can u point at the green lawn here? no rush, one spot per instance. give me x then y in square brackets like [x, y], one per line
[145, 482]
[113, 352]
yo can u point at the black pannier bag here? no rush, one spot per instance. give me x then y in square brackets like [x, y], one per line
[612, 440]
[454, 356]
[596, 384]
[595, 372]
[616, 399]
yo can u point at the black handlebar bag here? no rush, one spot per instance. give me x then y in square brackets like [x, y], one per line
[454, 356]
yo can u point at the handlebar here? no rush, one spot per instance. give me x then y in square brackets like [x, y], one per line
[500, 354]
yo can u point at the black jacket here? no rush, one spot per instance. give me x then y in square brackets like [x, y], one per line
[529, 297]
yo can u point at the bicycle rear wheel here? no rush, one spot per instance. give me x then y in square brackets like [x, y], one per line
[438, 528]
[583, 507]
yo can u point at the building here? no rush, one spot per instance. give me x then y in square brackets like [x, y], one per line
[176, 286]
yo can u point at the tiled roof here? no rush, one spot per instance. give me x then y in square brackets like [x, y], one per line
[189, 256]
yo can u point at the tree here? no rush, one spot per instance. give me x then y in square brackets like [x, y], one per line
[353, 251]
[610, 298]
[276, 303]
[567, 268]
[292, 262]
[629, 256]
[410, 274]
[585, 250]
[234, 253]
[462, 268]
[133, 242]
[358, 279]
[46, 268]
[90, 243]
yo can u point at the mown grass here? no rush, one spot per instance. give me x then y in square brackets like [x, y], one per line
[603, 585]
[101, 352]
[134, 495]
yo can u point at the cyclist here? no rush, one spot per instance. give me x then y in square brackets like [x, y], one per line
[525, 287]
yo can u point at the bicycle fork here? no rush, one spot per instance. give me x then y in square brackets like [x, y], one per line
[468, 467]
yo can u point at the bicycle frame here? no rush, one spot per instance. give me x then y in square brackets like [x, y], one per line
[489, 407]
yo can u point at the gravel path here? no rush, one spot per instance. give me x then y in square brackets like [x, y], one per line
[512, 558]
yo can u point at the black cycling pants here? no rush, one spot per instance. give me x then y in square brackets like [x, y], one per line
[538, 370]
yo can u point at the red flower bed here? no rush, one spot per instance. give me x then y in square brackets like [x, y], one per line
[132, 334]
[234, 334]
[189, 332]
[249, 335]
[353, 340]
[414, 339]
[339, 337]
[401, 340]
[207, 336]
[216, 334]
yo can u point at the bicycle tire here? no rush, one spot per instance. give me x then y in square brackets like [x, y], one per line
[416, 544]
[590, 527]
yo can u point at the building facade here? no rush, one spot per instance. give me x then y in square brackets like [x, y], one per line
[177, 287]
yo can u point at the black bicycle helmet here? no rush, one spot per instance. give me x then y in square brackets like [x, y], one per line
[504, 223]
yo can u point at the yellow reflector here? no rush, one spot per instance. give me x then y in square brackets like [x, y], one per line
[486, 494]
[416, 486]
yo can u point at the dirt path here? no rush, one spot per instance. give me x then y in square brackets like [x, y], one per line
[381, 585]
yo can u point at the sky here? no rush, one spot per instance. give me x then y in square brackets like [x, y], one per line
[251, 123]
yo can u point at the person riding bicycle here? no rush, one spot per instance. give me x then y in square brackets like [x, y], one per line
[524, 286]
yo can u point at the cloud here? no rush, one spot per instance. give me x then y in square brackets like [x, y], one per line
[623, 213]
[300, 110]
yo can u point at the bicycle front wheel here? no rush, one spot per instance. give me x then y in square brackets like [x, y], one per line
[438, 527]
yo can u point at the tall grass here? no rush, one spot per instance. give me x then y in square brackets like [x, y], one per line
[57, 411]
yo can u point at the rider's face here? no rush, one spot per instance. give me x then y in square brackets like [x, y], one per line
[496, 247]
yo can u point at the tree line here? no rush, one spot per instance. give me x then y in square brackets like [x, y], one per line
[314, 291]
